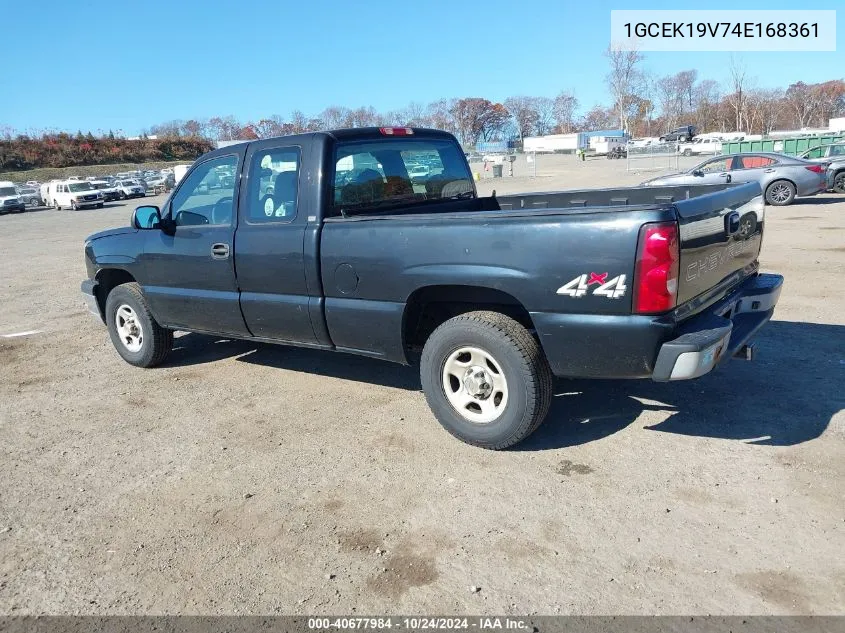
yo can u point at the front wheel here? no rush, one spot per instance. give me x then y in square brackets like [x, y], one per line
[73, 206]
[135, 334]
[486, 379]
[839, 182]
[780, 193]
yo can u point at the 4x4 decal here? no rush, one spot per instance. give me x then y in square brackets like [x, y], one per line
[580, 286]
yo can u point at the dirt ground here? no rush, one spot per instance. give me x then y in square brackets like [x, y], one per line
[244, 478]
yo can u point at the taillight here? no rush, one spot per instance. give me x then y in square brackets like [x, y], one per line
[819, 169]
[396, 131]
[656, 274]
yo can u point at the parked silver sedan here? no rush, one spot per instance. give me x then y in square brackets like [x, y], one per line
[782, 178]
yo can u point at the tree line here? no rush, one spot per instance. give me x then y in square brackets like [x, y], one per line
[20, 152]
[639, 102]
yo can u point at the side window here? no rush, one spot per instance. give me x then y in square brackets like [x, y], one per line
[207, 195]
[755, 162]
[273, 185]
[837, 150]
[717, 166]
[816, 152]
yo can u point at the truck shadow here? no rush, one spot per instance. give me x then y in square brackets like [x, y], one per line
[196, 349]
[786, 396]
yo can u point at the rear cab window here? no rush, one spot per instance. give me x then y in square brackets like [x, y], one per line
[398, 172]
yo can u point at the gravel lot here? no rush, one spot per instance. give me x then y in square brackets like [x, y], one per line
[244, 478]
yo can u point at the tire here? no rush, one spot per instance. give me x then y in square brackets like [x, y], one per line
[73, 206]
[122, 196]
[688, 152]
[100, 206]
[58, 206]
[839, 182]
[514, 385]
[146, 346]
[780, 193]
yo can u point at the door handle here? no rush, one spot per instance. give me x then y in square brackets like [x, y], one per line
[220, 251]
[769, 171]
[726, 176]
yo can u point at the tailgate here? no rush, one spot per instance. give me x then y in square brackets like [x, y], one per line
[720, 236]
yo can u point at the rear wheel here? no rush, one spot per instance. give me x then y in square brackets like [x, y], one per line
[135, 334]
[486, 379]
[780, 193]
[100, 206]
[839, 182]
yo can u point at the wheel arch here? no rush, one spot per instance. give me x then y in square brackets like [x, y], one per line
[429, 306]
[107, 280]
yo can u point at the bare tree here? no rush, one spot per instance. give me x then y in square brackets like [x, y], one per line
[625, 81]
[764, 107]
[738, 98]
[706, 98]
[545, 115]
[523, 110]
[565, 105]
[441, 115]
[333, 117]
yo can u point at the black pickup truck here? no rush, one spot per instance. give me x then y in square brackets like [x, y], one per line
[375, 242]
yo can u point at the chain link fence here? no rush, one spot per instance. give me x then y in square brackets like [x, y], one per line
[654, 157]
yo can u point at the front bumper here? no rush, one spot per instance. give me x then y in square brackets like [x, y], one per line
[710, 337]
[89, 294]
[13, 208]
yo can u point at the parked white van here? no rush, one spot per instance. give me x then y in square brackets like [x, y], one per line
[10, 201]
[75, 194]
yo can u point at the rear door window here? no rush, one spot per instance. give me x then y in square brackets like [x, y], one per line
[273, 185]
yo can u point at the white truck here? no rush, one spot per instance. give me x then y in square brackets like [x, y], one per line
[555, 143]
[707, 146]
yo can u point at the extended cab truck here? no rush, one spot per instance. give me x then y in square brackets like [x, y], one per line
[496, 294]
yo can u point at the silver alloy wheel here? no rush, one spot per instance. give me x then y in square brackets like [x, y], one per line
[475, 385]
[780, 192]
[128, 328]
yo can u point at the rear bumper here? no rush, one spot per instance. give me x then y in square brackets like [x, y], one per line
[708, 338]
[638, 346]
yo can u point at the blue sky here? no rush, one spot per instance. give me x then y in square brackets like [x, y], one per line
[127, 65]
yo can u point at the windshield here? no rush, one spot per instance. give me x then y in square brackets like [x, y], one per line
[76, 187]
[410, 171]
[127, 183]
[100, 185]
[7, 191]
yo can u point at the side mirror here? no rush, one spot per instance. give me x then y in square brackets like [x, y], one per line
[697, 172]
[146, 217]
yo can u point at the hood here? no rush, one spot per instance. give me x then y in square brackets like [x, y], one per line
[4, 198]
[109, 232]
